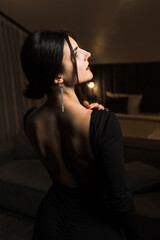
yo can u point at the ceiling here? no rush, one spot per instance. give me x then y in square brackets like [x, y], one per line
[114, 31]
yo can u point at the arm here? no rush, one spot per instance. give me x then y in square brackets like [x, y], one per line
[115, 179]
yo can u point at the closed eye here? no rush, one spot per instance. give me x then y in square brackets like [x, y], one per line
[75, 49]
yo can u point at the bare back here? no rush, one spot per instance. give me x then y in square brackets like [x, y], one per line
[62, 140]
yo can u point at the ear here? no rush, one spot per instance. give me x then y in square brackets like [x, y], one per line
[58, 79]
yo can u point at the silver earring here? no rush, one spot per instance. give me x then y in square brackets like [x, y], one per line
[61, 86]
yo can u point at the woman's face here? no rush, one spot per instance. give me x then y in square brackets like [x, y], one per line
[83, 70]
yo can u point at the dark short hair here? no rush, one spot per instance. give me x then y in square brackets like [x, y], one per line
[41, 59]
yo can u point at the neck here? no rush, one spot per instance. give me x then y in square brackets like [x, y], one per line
[69, 96]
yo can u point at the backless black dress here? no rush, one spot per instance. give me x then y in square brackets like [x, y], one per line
[100, 210]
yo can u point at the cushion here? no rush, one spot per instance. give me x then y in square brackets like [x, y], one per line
[134, 101]
[28, 172]
[117, 104]
[20, 199]
[23, 185]
[23, 148]
[142, 177]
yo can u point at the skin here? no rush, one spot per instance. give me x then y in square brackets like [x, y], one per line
[62, 140]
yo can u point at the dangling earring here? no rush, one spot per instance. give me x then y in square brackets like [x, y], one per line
[61, 87]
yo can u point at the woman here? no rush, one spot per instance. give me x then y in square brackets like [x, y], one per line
[81, 149]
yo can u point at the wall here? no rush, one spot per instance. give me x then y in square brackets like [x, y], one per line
[115, 31]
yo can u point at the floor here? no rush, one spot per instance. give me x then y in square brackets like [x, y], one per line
[16, 227]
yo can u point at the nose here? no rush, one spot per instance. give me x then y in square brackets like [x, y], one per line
[87, 55]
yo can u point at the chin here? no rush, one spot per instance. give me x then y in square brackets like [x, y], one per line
[91, 77]
[87, 78]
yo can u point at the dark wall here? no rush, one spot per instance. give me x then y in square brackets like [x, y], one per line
[136, 78]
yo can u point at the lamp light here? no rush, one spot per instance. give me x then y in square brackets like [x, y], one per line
[91, 85]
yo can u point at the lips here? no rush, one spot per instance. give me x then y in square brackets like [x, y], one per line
[88, 68]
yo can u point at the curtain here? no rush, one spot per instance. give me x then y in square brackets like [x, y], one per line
[131, 78]
[13, 104]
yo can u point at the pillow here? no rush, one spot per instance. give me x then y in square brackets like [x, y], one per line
[23, 148]
[117, 104]
[134, 101]
[142, 177]
[27, 172]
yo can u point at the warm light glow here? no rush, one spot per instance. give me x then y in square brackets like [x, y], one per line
[91, 84]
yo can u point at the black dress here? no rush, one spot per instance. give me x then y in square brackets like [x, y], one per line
[100, 210]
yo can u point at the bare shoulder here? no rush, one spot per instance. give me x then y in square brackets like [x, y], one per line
[81, 120]
[38, 120]
[43, 122]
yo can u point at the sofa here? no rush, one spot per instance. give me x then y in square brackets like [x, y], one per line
[24, 181]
